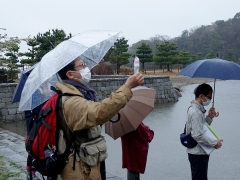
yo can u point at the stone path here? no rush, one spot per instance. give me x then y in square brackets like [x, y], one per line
[12, 147]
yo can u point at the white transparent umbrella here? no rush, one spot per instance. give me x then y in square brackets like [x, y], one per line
[91, 46]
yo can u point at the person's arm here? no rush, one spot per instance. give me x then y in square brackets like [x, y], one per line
[208, 120]
[211, 114]
[83, 114]
[197, 130]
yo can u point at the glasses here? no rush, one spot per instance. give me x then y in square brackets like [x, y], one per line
[210, 98]
[80, 65]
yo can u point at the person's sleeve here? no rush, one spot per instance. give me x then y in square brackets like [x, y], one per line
[198, 132]
[145, 132]
[83, 114]
[208, 120]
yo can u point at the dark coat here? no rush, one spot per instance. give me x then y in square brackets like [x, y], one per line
[135, 148]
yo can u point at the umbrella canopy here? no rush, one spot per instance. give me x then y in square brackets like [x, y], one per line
[18, 90]
[212, 68]
[90, 46]
[133, 113]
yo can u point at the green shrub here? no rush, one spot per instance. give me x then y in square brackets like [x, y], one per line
[126, 70]
[11, 73]
[102, 69]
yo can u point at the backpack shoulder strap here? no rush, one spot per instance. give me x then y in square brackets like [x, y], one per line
[186, 122]
[55, 90]
[72, 140]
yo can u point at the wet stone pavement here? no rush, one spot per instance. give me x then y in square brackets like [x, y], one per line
[13, 148]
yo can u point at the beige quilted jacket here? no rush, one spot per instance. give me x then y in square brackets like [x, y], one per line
[83, 114]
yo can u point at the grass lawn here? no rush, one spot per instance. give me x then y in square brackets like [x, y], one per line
[10, 170]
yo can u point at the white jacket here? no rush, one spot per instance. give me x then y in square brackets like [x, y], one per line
[195, 122]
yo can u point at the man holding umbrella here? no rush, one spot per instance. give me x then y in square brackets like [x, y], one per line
[208, 68]
[81, 116]
[197, 157]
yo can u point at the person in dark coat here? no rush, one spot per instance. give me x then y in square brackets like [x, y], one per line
[135, 150]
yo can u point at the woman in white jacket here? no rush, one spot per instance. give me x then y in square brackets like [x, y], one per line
[196, 118]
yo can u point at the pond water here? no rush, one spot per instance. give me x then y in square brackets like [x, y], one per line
[167, 158]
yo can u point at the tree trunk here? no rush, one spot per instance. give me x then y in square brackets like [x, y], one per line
[144, 68]
[168, 67]
[118, 69]
[11, 73]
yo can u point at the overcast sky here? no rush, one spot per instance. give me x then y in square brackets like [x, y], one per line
[136, 19]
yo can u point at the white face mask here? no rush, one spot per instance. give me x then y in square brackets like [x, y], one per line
[86, 75]
[207, 102]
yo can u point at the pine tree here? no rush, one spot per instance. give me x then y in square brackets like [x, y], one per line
[31, 55]
[144, 53]
[118, 53]
[166, 54]
[47, 39]
[12, 55]
[211, 55]
[184, 58]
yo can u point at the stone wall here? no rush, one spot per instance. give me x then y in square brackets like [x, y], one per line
[103, 85]
[8, 111]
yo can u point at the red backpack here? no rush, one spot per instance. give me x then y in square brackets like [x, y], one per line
[42, 141]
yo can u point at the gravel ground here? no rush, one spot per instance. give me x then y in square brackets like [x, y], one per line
[179, 81]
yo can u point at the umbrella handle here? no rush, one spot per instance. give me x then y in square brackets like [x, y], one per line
[217, 113]
[118, 118]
